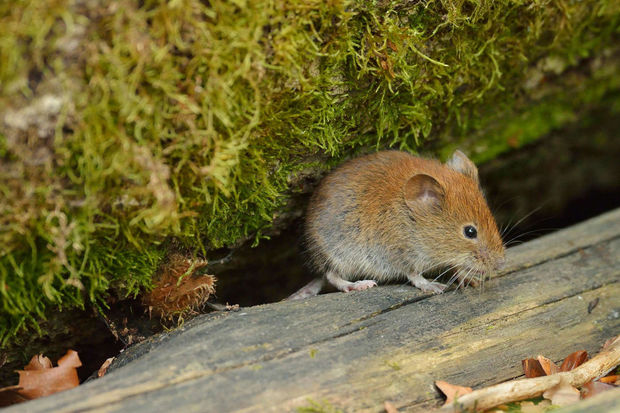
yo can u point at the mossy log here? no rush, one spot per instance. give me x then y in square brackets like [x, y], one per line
[355, 351]
[133, 128]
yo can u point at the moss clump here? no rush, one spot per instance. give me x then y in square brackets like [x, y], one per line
[128, 123]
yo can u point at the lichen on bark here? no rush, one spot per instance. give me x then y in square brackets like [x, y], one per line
[127, 124]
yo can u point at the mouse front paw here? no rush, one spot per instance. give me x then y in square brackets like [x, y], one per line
[471, 280]
[427, 286]
[433, 287]
[360, 285]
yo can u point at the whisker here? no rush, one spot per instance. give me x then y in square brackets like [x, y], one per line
[452, 279]
[448, 269]
[521, 220]
[462, 282]
[530, 232]
[505, 228]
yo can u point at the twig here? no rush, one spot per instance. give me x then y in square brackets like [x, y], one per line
[515, 390]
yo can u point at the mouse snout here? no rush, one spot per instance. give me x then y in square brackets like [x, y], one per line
[500, 263]
[483, 255]
[489, 259]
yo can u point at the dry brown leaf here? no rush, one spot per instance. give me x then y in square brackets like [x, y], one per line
[389, 407]
[104, 367]
[563, 394]
[39, 362]
[611, 379]
[548, 365]
[532, 368]
[10, 395]
[574, 360]
[40, 379]
[71, 359]
[542, 366]
[452, 391]
[592, 388]
[608, 342]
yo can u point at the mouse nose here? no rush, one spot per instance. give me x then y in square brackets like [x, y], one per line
[484, 254]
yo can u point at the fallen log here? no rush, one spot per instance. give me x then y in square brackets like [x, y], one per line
[355, 351]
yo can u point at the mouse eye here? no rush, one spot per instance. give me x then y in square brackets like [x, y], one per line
[470, 231]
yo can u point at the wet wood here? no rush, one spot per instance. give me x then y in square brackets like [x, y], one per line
[355, 351]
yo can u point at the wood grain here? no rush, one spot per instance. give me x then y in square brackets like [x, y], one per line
[355, 351]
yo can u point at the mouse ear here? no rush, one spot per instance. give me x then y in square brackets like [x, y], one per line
[423, 191]
[461, 163]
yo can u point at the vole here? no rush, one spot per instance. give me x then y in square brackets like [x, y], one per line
[393, 215]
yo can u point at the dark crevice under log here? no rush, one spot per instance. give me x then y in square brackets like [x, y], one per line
[355, 351]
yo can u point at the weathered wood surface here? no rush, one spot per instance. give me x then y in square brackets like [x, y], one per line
[354, 351]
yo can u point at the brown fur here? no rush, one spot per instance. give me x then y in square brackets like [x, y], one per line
[364, 221]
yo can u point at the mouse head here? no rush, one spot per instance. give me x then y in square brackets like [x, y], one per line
[452, 219]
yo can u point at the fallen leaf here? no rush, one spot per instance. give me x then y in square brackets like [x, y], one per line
[40, 379]
[542, 366]
[389, 407]
[592, 388]
[39, 362]
[452, 391]
[71, 359]
[562, 394]
[611, 379]
[547, 365]
[532, 368]
[609, 342]
[574, 360]
[104, 367]
[10, 395]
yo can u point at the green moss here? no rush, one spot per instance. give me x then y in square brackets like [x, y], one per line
[516, 407]
[319, 407]
[185, 120]
[494, 134]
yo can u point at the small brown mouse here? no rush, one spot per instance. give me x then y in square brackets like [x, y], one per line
[393, 215]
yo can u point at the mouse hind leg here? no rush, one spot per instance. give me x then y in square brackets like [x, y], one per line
[309, 290]
[314, 287]
[343, 285]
